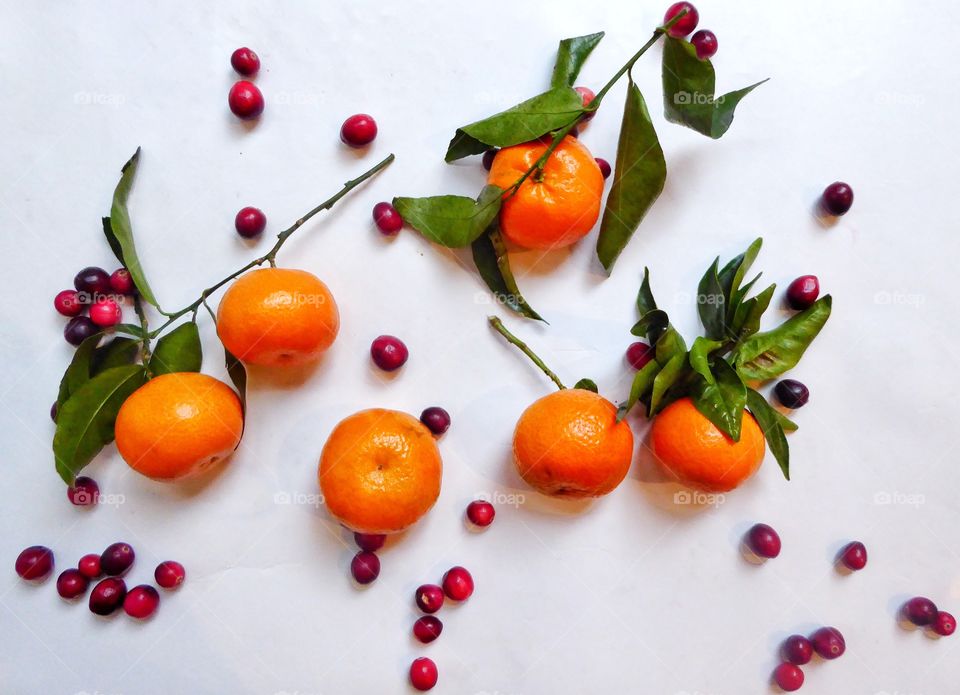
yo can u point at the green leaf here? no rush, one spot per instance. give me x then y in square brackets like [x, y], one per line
[746, 322]
[642, 383]
[85, 423]
[122, 230]
[770, 354]
[669, 345]
[587, 385]
[732, 274]
[700, 356]
[664, 379]
[117, 353]
[451, 220]
[652, 325]
[112, 239]
[722, 400]
[526, 121]
[711, 303]
[493, 263]
[238, 375]
[78, 371]
[645, 300]
[770, 422]
[571, 55]
[689, 91]
[639, 174]
[178, 351]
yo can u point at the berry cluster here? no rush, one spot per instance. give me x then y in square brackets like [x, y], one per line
[704, 41]
[245, 98]
[456, 585]
[798, 650]
[923, 612]
[96, 293]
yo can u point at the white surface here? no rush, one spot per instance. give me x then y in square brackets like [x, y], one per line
[632, 593]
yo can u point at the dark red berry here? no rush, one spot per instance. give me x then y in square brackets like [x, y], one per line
[245, 100]
[169, 574]
[803, 292]
[604, 167]
[788, 677]
[121, 282]
[586, 97]
[488, 158]
[481, 513]
[89, 566]
[35, 563]
[854, 556]
[358, 130]
[250, 222]
[245, 61]
[429, 598]
[638, 354]
[78, 329]
[92, 281]
[457, 584]
[837, 198]
[141, 601]
[436, 419]
[67, 303]
[763, 541]
[107, 596]
[427, 628]
[388, 352]
[105, 312]
[371, 542]
[117, 559]
[920, 611]
[705, 43]
[944, 624]
[387, 218]
[792, 393]
[71, 583]
[53, 411]
[84, 491]
[797, 649]
[828, 642]
[423, 673]
[685, 24]
[365, 567]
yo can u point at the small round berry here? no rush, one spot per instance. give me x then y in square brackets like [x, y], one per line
[828, 642]
[427, 628]
[121, 282]
[436, 419]
[105, 313]
[944, 624]
[586, 97]
[53, 411]
[169, 574]
[245, 100]
[117, 559]
[481, 513]
[423, 673]
[803, 292]
[854, 556]
[429, 598]
[35, 563]
[365, 567]
[705, 43]
[920, 611]
[686, 24]
[358, 130]
[488, 158]
[604, 167]
[389, 353]
[791, 393]
[92, 281]
[83, 492]
[245, 61]
[387, 218]
[837, 198]
[250, 222]
[639, 354]
[107, 596]
[141, 601]
[78, 329]
[763, 541]
[797, 649]
[371, 542]
[71, 583]
[457, 584]
[89, 566]
[67, 303]
[788, 677]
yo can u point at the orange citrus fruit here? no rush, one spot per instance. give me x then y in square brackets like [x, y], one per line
[380, 471]
[178, 424]
[556, 207]
[699, 454]
[569, 444]
[277, 316]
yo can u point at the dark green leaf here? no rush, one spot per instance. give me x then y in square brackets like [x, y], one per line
[652, 325]
[493, 263]
[451, 220]
[78, 371]
[129, 329]
[770, 354]
[666, 378]
[178, 351]
[746, 321]
[238, 375]
[85, 423]
[645, 300]
[642, 383]
[700, 356]
[587, 385]
[117, 353]
[711, 303]
[723, 400]
[731, 278]
[669, 344]
[571, 55]
[122, 230]
[639, 174]
[112, 240]
[771, 424]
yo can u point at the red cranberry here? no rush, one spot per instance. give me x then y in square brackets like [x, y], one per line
[71, 583]
[436, 419]
[586, 96]
[117, 559]
[792, 393]
[250, 222]
[604, 167]
[68, 303]
[245, 61]
[427, 628]
[141, 601]
[788, 677]
[169, 574]
[828, 642]
[371, 542]
[481, 513]
[53, 411]
[854, 556]
[121, 282]
[92, 281]
[837, 198]
[35, 563]
[246, 100]
[389, 353]
[89, 566]
[488, 158]
[78, 329]
[920, 611]
[705, 43]
[365, 567]
[944, 624]
[105, 313]
[803, 292]
[797, 649]
[387, 218]
[107, 596]
[457, 584]
[358, 130]
[84, 491]
[423, 673]
[763, 541]
[686, 24]
[638, 354]
[429, 598]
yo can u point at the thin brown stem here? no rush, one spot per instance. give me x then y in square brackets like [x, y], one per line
[514, 340]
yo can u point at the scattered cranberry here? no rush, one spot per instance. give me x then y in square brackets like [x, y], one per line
[828, 642]
[944, 624]
[604, 167]
[389, 353]
[481, 513]
[117, 559]
[427, 628]
[763, 541]
[250, 222]
[365, 567]
[92, 281]
[105, 312]
[121, 282]
[586, 96]
[89, 566]
[837, 198]
[387, 218]
[35, 563]
[686, 24]
[141, 601]
[107, 596]
[78, 329]
[245, 61]
[920, 611]
[792, 393]
[788, 677]
[436, 419]
[83, 492]
[423, 673]
[457, 584]
[797, 649]
[371, 542]
[429, 598]
[72, 583]
[488, 157]
[169, 574]
[358, 130]
[246, 100]
[638, 354]
[53, 411]
[803, 292]
[68, 303]
[705, 43]
[854, 556]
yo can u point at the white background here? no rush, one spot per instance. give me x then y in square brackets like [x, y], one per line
[630, 594]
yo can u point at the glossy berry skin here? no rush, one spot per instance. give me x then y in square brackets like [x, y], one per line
[423, 673]
[141, 601]
[250, 222]
[944, 624]
[84, 492]
[788, 677]
[105, 313]
[436, 419]
[389, 353]
[854, 556]
[457, 584]
[72, 583]
[245, 100]
[792, 393]
[427, 628]
[586, 96]
[169, 574]
[705, 44]
[245, 62]
[828, 643]
[481, 513]
[797, 649]
[78, 329]
[638, 354]
[365, 567]
[920, 611]
[35, 563]
[358, 130]
[604, 167]
[107, 596]
[803, 292]
[121, 282]
[763, 541]
[117, 559]
[837, 198]
[67, 303]
[92, 281]
[429, 598]
[89, 566]
[687, 24]
[387, 219]
[371, 542]
[488, 158]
